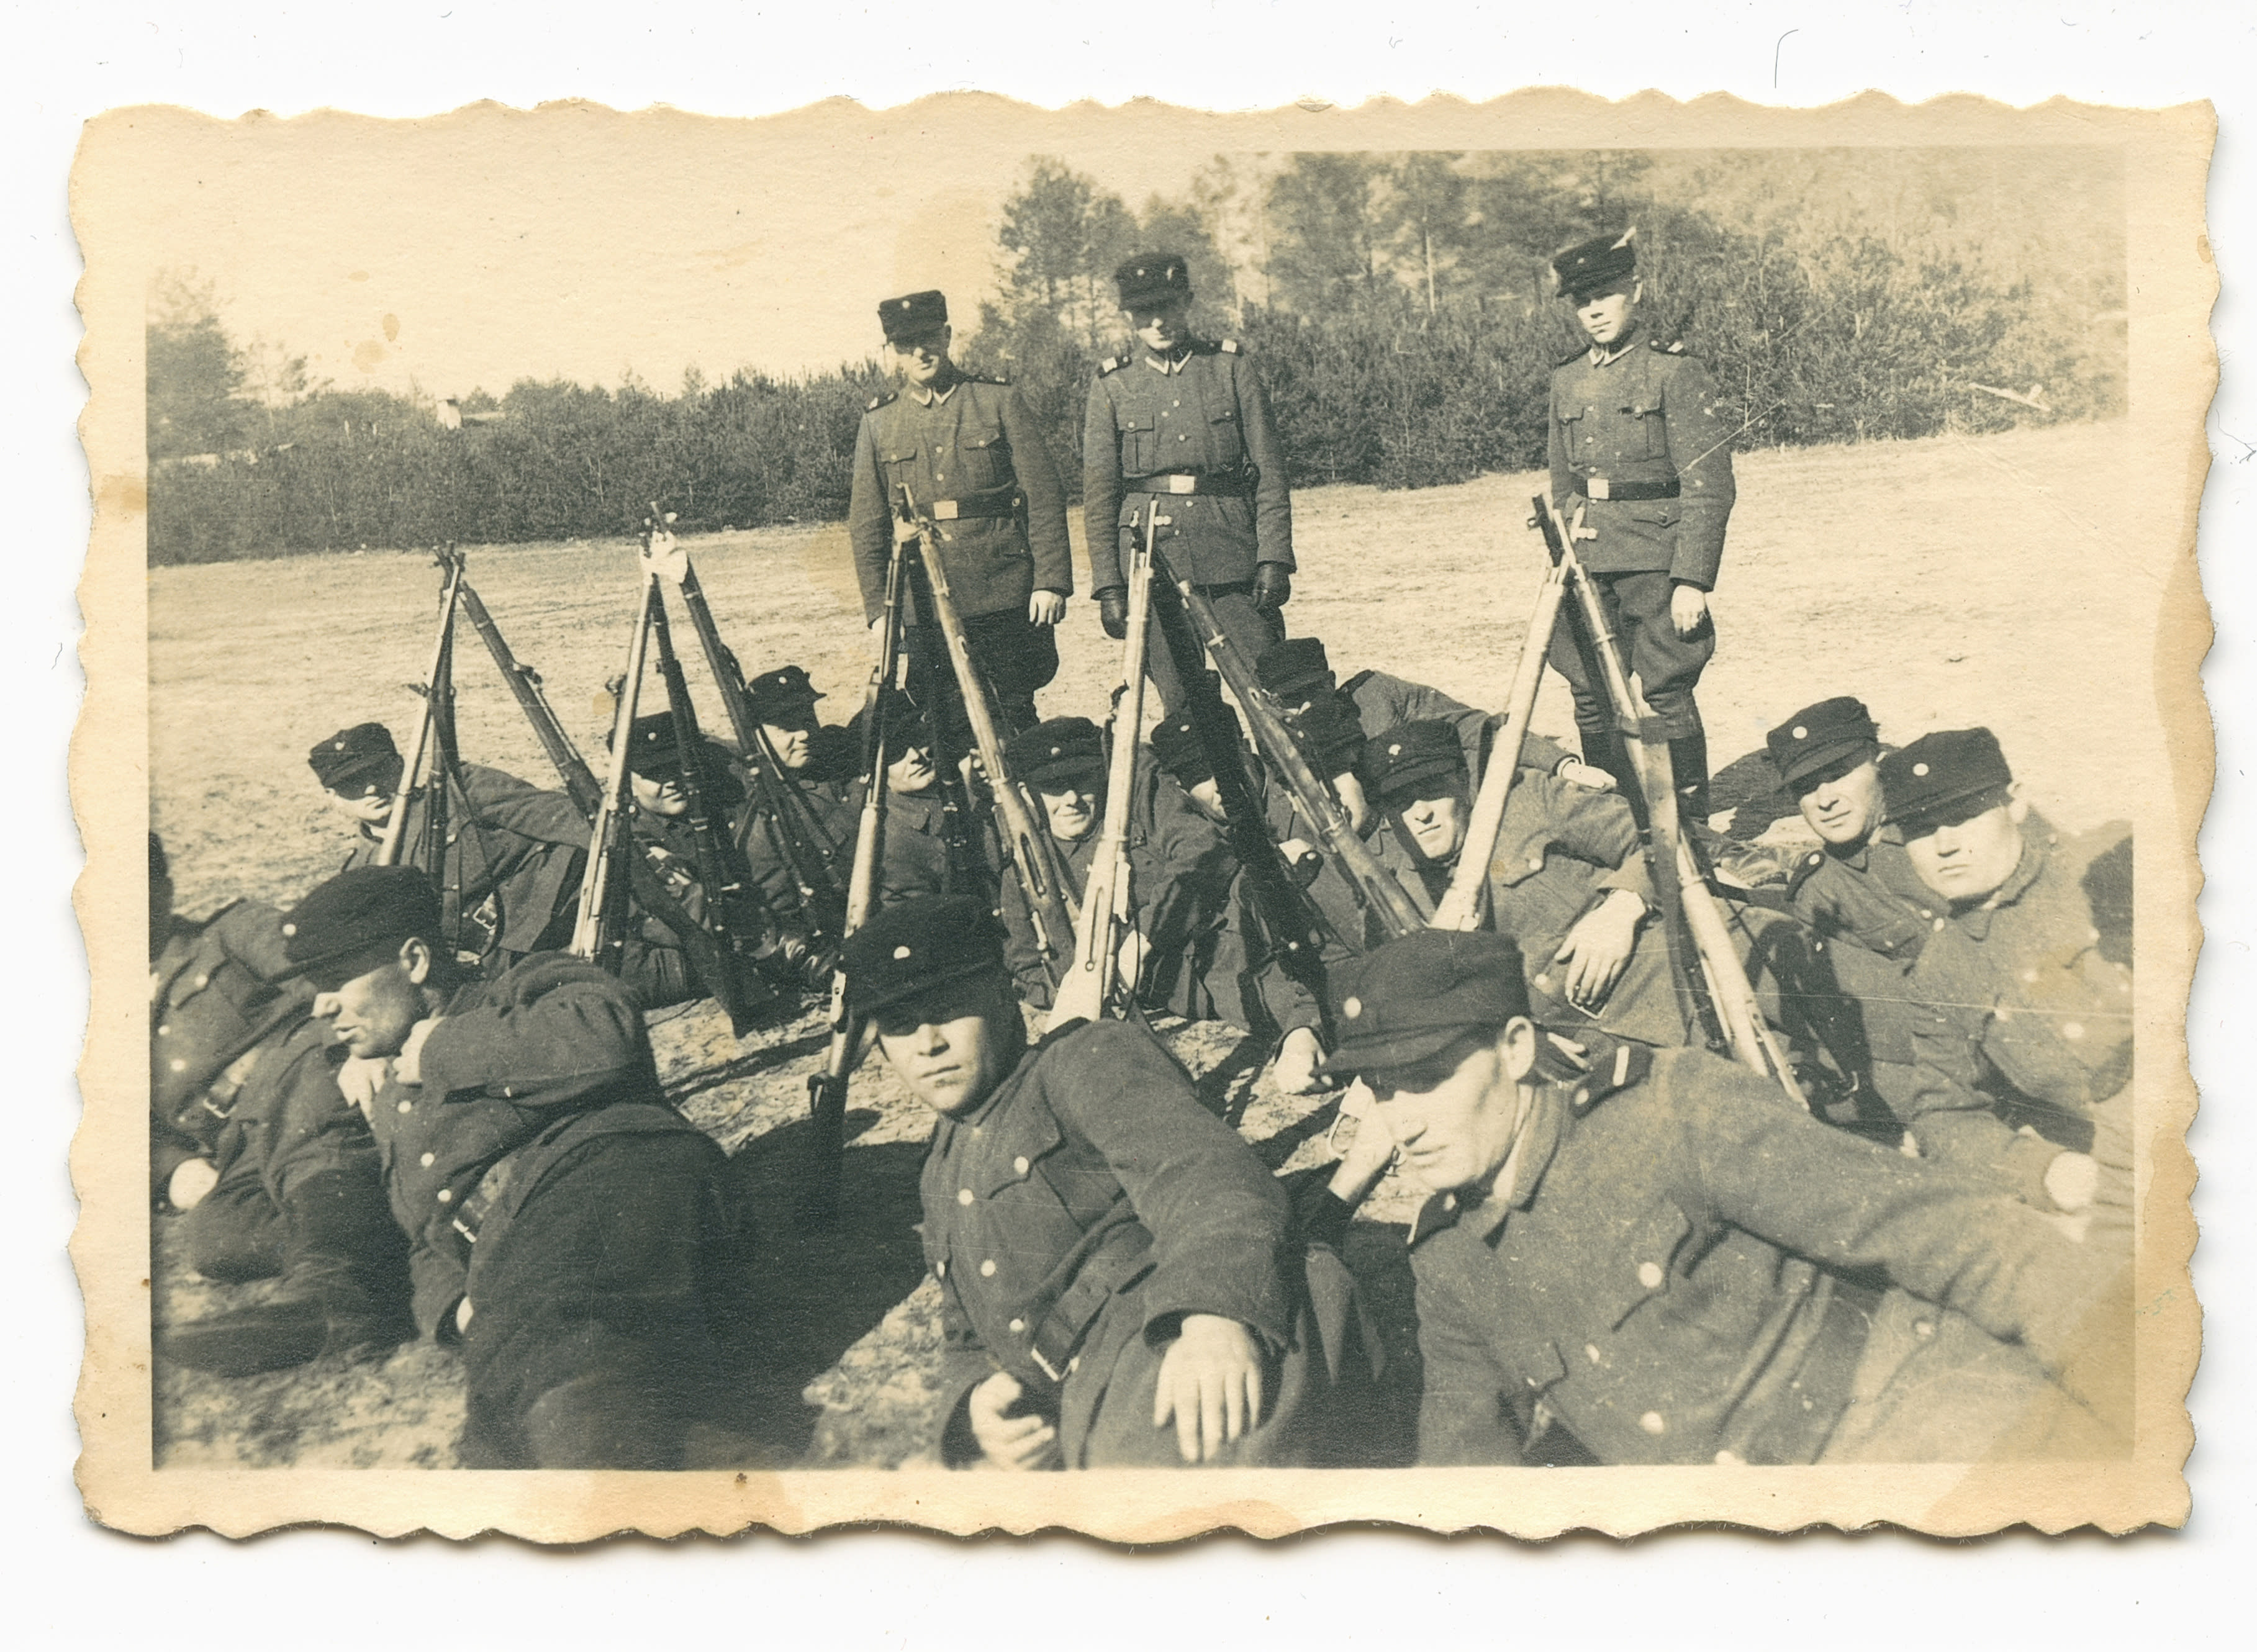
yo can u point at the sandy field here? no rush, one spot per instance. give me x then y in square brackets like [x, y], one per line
[1947, 582]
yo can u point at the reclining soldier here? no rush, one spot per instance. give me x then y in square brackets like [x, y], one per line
[568, 1227]
[515, 853]
[1119, 1284]
[1646, 1256]
[251, 1137]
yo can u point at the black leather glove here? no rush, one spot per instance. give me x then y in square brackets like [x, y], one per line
[1113, 613]
[1273, 586]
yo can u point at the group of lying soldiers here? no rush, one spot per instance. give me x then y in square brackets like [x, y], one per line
[403, 1099]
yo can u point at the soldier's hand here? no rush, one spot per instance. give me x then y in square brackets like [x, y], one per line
[663, 553]
[1273, 586]
[1370, 1151]
[905, 529]
[1689, 609]
[361, 1077]
[1597, 950]
[1575, 771]
[1113, 613]
[1297, 1062]
[2071, 1180]
[1006, 1440]
[1211, 1384]
[191, 1180]
[1046, 607]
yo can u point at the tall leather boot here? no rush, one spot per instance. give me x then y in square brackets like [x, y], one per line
[1604, 749]
[1688, 757]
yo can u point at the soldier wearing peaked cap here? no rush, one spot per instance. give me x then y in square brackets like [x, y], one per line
[1180, 425]
[567, 1229]
[915, 862]
[514, 853]
[1638, 449]
[970, 454]
[2024, 1046]
[1119, 1284]
[1635, 1255]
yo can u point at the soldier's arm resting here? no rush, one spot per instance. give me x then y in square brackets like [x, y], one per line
[1045, 493]
[1101, 489]
[1273, 500]
[568, 1030]
[869, 522]
[1952, 1121]
[1701, 446]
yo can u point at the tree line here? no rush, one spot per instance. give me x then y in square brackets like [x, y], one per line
[1398, 307]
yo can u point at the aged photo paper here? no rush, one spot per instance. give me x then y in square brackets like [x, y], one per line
[1911, 401]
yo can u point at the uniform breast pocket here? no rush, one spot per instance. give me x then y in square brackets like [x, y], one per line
[1140, 444]
[984, 459]
[900, 464]
[1226, 442]
[1648, 423]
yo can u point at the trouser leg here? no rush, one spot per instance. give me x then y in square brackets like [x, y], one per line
[1016, 657]
[1250, 630]
[1668, 667]
[237, 1232]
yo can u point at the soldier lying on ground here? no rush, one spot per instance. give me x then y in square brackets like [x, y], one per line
[2024, 1048]
[568, 1227]
[1636, 1255]
[251, 1137]
[514, 855]
[1120, 1282]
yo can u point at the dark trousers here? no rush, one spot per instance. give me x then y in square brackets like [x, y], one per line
[1250, 630]
[1667, 666]
[1016, 657]
[598, 1308]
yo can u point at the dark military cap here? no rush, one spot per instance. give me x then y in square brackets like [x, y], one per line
[1153, 278]
[1398, 762]
[653, 750]
[781, 693]
[1404, 1001]
[906, 723]
[1288, 669]
[1944, 778]
[913, 315]
[906, 949]
[356, 921]
[1604, 263]
[1819, 734]
[1175, 743]
[355, 761]
[1062, 749]
[1331, 735]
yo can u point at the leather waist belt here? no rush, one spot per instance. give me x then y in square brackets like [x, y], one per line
[1600, 488]
[1222, 487]
[1123, 1257]
[960, 510]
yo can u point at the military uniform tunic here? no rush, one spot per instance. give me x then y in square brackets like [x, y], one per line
[1383, 702]
[1645, 1279]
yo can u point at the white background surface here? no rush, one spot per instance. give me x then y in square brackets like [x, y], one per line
[71, 1582]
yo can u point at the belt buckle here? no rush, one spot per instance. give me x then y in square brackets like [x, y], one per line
[1597, 488]
[945, 509]
[1183, 484]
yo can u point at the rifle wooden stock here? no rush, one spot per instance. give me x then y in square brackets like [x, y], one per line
[1093, 983]
[597, 936]
[387, 848]
[706, 835]
[1464, 905]
[1376, 887]
[587, 792]
[1042, 879]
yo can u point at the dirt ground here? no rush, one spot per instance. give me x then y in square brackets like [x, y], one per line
[1947, 582]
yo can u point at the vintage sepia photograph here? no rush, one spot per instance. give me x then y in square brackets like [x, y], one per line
[1142, 821]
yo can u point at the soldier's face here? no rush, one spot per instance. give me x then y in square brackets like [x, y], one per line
[1161, 325]
[1437, 824]
[1453, 1115]
[910, 773]
[373, 1014]
[369, 809]
[793, 741]
[1967, 860]
[953, 1044]
[1606, 316]
[1073, 812]
[919, 360]
[1842, 802]
[663, 797]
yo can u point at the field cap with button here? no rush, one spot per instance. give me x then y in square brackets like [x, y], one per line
[912, 315]
[652, 750]
[781, 694]
[1330, 736]
[1153, 278]
[1175, 743]
[1290, 670]
[1820, 734]
[1061, 749]
[1400, 764]
[1604, 263]
[1414, 997]
[355, 761]
[906, 949]
[906, 723]
[1944, 778]
[357, 921]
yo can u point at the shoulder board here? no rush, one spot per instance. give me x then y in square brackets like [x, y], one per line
[989, 379]
[1675, 347]
[1112, 365]
[1805, 869]
[1438, 1214]
[1349, 688]
[877, 402]
[1058, 1034]
[1569, 361]
[1228, 346]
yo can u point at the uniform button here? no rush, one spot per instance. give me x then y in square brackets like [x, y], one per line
[1939, 923]
[163, 1030]
[1923, 1327]
[964, 1195]
[1183, 436]
[446, 1195]
[2072, 1029]
[1591, 1352]
[205, 980]
[430, 1159]
[1649, 1274]
[987, 1268]
[1534, 1383]
[407, 1107]
[1020, 1164]
[1582, 1098]
[1925, 913]
[1652, 1423]
[1018, 1325]
[178, 1065]
[2092, 934]
[509, 1092]
[1536, 863]
[940, 1268]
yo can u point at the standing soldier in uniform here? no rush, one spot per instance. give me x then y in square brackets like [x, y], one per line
[972, 459]
[1638, 449]
[1181, 425]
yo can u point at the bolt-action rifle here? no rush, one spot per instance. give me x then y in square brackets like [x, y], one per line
[600, 934]
[387, 848]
